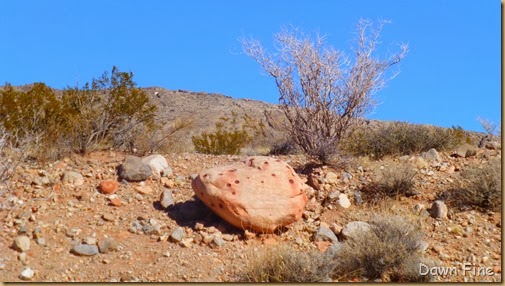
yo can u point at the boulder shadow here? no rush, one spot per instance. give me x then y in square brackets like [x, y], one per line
[193, 211]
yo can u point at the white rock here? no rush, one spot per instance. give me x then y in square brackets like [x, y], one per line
[157, 163]
[343, 201]
[27, 274]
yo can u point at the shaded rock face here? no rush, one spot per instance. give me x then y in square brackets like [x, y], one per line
[134, 170]
[260, 194]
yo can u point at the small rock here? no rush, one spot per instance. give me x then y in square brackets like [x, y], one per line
[439, 210]
[85, 249]
[331, 178]
[355, 229]
[108, 244]
[166, 198]
[325, 234]
[437, 248]
[151, 229]
[41, 241]
[177, 235]
[144, 189]
[108, 217]
[186, 242]
[422, 245]
[217, 242]
[322, 246]
[21, 243]
[343, 201]
[27, 274]
[73, 178]
[108, 186]
[73, 232]
[357, 198]
[431, 155]
[115, 202]
[227, 237]
[336, 228]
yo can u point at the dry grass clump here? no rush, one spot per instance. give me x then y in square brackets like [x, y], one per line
[285, 264]
[388, 251]
[391, 182]
[478, 188]
[401, 138]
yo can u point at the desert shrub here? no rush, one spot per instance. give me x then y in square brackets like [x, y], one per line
[390, 182]
[478, 187]
[111, 111]
[228, 137]
[401, 138]
[323, 91]
[284, 264]
[389, 251]
[162, 140]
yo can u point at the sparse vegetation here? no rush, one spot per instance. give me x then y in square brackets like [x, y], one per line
[322, 91]
[389, 252]
[479, 187]
[401, 138]
[228, 138]
[284, 264]
[391, 182]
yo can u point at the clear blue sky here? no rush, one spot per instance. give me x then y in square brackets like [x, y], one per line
[450, 76]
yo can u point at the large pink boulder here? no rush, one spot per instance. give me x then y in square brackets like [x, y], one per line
[260, 194]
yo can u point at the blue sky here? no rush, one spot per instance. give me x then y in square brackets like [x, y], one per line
[450, 77]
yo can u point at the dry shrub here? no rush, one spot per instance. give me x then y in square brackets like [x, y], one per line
[389, 251]
[478, 188]
[391, 182]
[401, 138]
[283, 147]
[284, 264]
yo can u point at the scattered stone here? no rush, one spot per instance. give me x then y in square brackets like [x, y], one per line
[115, 202]
[41, 241]
[73, 178]
[439, 210]
[228, 237]
[334, 248]
[157, 163]
[21, 243]
[85, 249]
[177, 235]
[431, 155]
[166, 198]
[187, 242]
[343, 201]
[143, 189]
[89, 240]
[151, 229]
[108, 186]
[261, 193]
[358, 200]
[313, 182]
[325, 234]
[346, 176]
[437, 248]
[73, 232]
[355, 229]
[217, 242]
[331, 178]
[134, 170]
[23, 230]
[27, 274]
[336, 228]
[419, 162]
[464, 151]
[322, 246]
[108, 217]
[108, 244]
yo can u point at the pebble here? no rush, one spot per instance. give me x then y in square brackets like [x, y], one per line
[89, 240]
[85, 249]
[108, 217]
[107, 245]
[217, 242]
[27, 274]
[187, 242]
[177, 235]
[21, 243]
[166, 198]
[439, 210]
[73, 232]
[41, 241]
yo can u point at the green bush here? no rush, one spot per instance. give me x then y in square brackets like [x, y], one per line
[478, 188]
[401, 138]
[389, 252]
[111, 111]
[284, 264]
[391, 182]
[228, 138]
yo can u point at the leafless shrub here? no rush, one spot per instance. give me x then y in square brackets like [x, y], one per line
[322, 91]
[284, 264]
[491, 128]
[479, 188]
